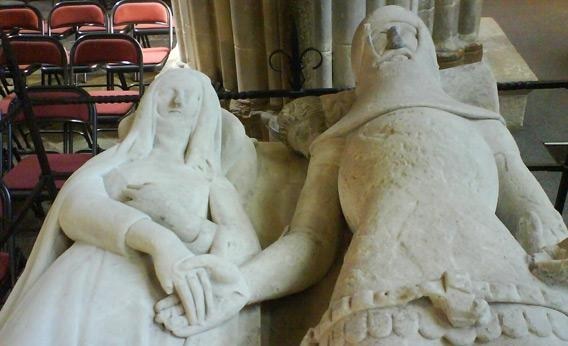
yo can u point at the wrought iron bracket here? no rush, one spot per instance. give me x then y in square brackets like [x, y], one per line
[295, 61]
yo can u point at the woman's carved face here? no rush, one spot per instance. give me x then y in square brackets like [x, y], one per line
[178, 105]
[178, 97]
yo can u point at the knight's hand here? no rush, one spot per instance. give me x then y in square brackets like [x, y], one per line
[539, 228]
[208, 292]
[551, 263]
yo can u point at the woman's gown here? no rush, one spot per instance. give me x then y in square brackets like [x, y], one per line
[93, 296]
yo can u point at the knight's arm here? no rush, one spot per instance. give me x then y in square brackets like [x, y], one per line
[304, 254]
[523, 205]
[235, 238]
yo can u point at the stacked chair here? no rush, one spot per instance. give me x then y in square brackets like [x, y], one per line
[146, 18]
[21, 19]
[30, 174]
[36, 177]
[34, 52]
[46, 115]
[78, 17]
[116, 54]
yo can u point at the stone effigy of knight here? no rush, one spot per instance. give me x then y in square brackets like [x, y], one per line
[454, 241]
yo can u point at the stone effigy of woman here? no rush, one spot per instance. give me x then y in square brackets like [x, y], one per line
[454, 241]
[158, 232]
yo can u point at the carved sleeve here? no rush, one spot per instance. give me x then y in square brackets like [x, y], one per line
[235, 238]
[88, 214]
[523, 205]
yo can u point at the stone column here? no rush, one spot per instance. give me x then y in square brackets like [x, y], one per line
[346, 17]
[470, 17]
[272, 43]
[179, 30]
[411, 5]
[184, 32]
[323, 41]
[250, 52]
[372, 5]
[225, 44]
[313, 21]
[426, 13]
[204, 37]
[445, 32]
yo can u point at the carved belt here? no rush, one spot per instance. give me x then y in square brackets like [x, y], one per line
[464, 302]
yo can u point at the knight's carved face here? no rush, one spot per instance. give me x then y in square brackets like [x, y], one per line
[392, 42]
[389, 37]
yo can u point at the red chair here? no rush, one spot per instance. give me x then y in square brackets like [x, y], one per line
[32, 53]
[26, 179]
[21, 19]
[155, 13]
[22, 177]
[79, 17]
[117, 54]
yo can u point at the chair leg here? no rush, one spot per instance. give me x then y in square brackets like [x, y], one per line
[86, 135]
[5, 86]
[12, 259]
[70, 138]
[122, 79]
[38, 210]
[18, 143]
[66, 136]
[24, 137]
